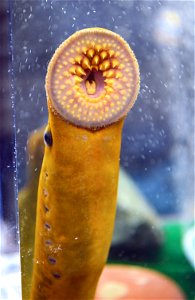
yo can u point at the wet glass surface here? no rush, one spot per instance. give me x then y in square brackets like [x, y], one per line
[156, 130]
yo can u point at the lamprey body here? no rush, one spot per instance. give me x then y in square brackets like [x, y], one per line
[92, 82]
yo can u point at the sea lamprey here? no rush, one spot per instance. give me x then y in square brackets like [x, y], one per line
[91, 84]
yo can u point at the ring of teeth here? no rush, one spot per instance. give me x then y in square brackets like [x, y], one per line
[93, 78]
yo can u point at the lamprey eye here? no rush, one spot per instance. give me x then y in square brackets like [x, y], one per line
[48, 138]
[93, 78]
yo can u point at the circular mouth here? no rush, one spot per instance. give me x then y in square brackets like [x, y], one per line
[93, 78]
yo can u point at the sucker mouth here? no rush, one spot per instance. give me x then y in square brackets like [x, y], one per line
[93, 78]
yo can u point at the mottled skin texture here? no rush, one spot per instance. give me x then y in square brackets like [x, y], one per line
[27, 208]
[88, 97]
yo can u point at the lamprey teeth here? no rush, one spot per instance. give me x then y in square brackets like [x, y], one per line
[86, 63]
[110, 82]
[93, 78]
[109, 89]
[109, 73]
[118, 74]
[98, 47]
[105, 65]
[103, 55]
[78, 79]
[78, 59]
[114, 63]
[95, 60]
[111, 53]
[90, 53]
[73, 70]
[80, 71]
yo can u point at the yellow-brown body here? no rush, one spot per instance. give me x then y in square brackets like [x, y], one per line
[88, 97]
[78, 185]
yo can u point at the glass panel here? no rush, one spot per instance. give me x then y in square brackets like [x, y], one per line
[155, 196]
[9, 237]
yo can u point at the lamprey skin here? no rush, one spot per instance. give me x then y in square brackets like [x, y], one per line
[92, 82]
[27, 200]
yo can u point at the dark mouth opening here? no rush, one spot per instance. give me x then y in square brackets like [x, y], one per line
[93, 83]
[91, 77]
